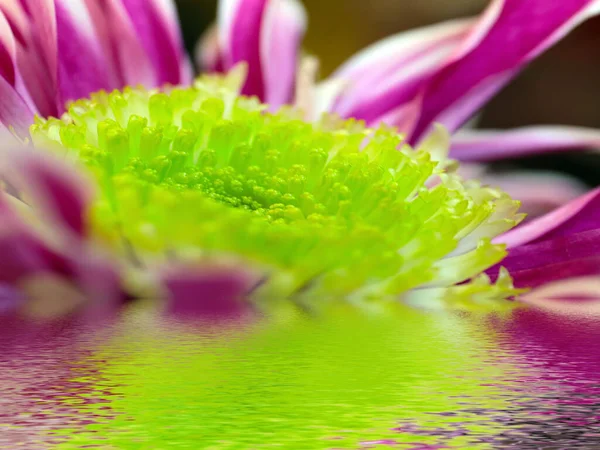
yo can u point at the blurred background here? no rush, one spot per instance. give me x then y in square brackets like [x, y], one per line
[560, 87]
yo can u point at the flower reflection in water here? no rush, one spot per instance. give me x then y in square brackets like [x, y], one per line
[340, 382]
[523, 380]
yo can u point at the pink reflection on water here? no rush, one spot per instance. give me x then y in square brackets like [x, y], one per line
[45, 383]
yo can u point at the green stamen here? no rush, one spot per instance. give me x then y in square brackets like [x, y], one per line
[325, 210]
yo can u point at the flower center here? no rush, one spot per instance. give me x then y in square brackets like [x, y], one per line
[330, 207]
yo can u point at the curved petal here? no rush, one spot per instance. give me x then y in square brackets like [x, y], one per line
[266, 35]
[129, 62]
[27, 257]
[60, 193]
[240, 24]
[511, 33]
[61, 50]
[556, 258]
[490, 145]
[390, 73]
[208, 290]
[579, 215]
[282, 31]
[57, 247]
[209, 53]
[538, 192]
[34, 81]
[14, 111]
[157, 28]
[577, 287]
[17, 107]
[82, 67]
[67, 49]
[10, 298]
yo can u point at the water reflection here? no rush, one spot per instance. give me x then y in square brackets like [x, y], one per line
[411, 381]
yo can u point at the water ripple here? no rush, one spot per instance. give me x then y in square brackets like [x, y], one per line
[526, 380]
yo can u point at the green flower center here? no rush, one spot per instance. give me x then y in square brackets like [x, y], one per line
[322, 210]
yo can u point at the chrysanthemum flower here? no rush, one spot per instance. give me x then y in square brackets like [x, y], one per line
[195, 193]
[188, 190]
[438, 74]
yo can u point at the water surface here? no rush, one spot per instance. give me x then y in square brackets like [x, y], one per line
[415, 380]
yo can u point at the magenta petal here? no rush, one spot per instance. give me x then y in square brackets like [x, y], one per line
[281, 34]
[121, 45]
[207, 291]
[552, 259]
[67, 49]
[209, 53]
[538, 192]
[511, 33]
[562, 244]
[24, 255]
[10, 298]
[157, 27]
[7, 51]
[61, 193]
[14, 111]
[240, 23]
[579, 215]
[16, 108]
[33, 79]
[82, 66]
[390, 73]
[490, 145]
[573, 296]
[97, 277]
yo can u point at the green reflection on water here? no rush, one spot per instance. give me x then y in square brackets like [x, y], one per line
[333, 382]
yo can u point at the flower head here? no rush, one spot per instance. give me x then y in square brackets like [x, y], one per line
[249, 185]
[313, 212]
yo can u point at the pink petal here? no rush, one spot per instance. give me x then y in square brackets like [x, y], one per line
[33, 80]
[207, 291]
[10, 298]
[121, 45]
[82, 66]
[240, 28]
[24, 254]
[157, 27]
[60, 193]
[67, 49]
[576, 288]
[17, 107]
[8, 57]
[538, 192]
[554, 258]
[14, 110]
[209, 53]
[579, 215]
[61, 38]
[391, 72]
[510, 34]
[489, 145]
[282, 31]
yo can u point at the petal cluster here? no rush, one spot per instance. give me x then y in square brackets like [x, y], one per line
[56, 51]
[438, 74]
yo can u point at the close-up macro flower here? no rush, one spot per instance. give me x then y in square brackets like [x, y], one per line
[150, 198]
